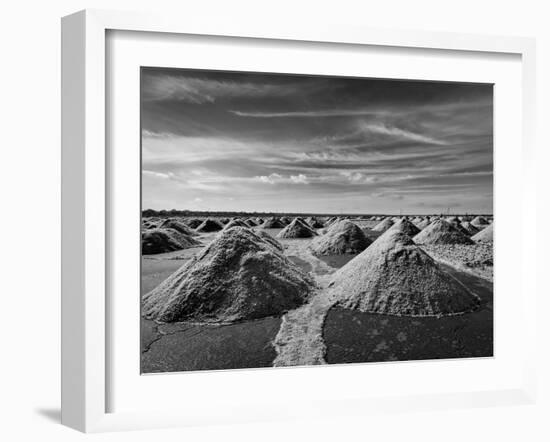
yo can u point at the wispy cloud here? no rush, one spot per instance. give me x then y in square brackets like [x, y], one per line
[311, 114]
[393, 131]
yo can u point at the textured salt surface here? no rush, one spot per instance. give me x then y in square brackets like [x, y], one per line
[395, 276]
[383, 225]
[486, 235]
[161, 240]
[441, 232]
[238, 276]
[342, 237]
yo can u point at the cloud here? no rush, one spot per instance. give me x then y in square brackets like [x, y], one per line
[276, 178]
[199, 91]
[152, 173]
[396, 132]
[310, 114]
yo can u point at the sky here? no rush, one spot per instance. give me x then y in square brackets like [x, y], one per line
[238, 141]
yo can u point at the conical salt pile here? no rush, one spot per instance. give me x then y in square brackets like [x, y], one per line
[469, 228]
[297, 229]
[238, 276]
[177, 225]
[423, 224]
[251, 222]
[193, 223]
[384, 225]
[486, 235]
[479, 221]
[406, 227]
[235, 223]
[341, 237]
[209, 225]
[156, 240]
[396, 277]
[273, 223]
[440, 232]
[314, 223]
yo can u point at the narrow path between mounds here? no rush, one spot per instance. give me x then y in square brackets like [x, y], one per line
[300, 338]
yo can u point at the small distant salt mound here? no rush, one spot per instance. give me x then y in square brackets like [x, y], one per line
[209, 225]
[193, 223]
[269, 239]
[423, 224]
[394, 276]
[177, 225]
[341, 238]
[406, 227]
[440, 232]
[251, 222]
[237, 277]
[486, 235]
[235, 223]
[469, 228]
[273, 223]
[297, 229]
[453, 220]
[479, 221]
[383, 225]
[156, 240]
[315, 223]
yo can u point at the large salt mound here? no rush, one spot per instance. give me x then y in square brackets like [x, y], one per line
[193, 223]
[273, 223]
[297, 229]
[486, 235]
[209, 225]
[406, 227]
[155, 241]
[177, 225]
[342, 237]
[441, 232]
[469, 227]
[383, 225]
[237, 277]
[269, 239]
[394, 276]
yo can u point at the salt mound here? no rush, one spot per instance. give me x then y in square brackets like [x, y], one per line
[209, 225]
[297, 229]
[251, 222]
[396, 277]
[440, 232]
[237, 277]
[479, 221]
[156, 240]
[486, 235]
[177, 225]
[235, 223]
[273, 223]
[342, 237]
[406, 227]
[193, 223]
[383, 225]
[423, 224]
[315, 223]
[469, 228]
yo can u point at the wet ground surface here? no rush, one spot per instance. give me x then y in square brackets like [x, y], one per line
[352, 336]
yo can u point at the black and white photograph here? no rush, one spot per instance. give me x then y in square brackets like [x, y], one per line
[292, 220]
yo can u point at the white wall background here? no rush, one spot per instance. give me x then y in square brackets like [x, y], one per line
[30, 221]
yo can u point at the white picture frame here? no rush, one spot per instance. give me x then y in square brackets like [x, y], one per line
[85, 202]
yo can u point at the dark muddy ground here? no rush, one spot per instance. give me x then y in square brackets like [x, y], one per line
[352, 336]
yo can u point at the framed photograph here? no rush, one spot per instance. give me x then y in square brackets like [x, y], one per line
[278, 222]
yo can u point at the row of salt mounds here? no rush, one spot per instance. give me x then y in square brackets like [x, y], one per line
[406, 227]
[273, 223]
[209, 225]
[396, 277]
[155, 241]
[239, 276]
[341, 237]
[486, 235]
[440, 232]
[171, 223]
[383, 225]
[297, 229]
